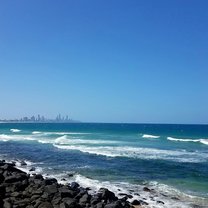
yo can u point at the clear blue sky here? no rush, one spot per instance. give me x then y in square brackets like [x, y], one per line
[107, 61]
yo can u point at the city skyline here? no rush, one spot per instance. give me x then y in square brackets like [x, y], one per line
[39, 118]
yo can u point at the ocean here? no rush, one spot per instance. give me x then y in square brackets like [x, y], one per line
[172, 160]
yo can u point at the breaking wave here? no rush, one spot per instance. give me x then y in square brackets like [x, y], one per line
[15, 130]
[141, 153]
[203, 141]
[150, 136]
[67, 140]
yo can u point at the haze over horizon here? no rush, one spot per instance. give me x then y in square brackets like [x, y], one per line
[105, 61]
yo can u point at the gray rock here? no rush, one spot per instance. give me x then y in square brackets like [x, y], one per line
[51, 189]
[45, 205]
[65, 192]
[85, 199]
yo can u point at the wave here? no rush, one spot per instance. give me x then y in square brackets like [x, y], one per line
[65, 133]
[203, 141]
[36, 132]
[6, 138]
[15, 130]
[150, 136]
[141, 153]
[64, 140]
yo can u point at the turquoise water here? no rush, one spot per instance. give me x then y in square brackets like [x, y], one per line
[172, 159]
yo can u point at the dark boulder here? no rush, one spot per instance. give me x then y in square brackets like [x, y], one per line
[49, 181]
[66, 192]
[74, 185]
[107, 195]
[51, 189]
[146, 189]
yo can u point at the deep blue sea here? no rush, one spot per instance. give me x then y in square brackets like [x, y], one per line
[171, 159]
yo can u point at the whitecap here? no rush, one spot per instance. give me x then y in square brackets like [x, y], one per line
[203, 141]
[139, 152]
[64, 140]
[150, 136]
[15, 130]
[5, 137]
[36, 132]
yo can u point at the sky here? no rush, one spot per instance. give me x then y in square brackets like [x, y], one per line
[132, 61]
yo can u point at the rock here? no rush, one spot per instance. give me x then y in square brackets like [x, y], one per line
[32, 169]
[74, 185]
[99, 205]
[146, 189]
[65, 192]
[71, 203]
[7, 204]
[56, 199]
[51, 189]
[160, 202]
[23, 163]
[38, 176]
[85, 199]
[175, 198]
[116, 204]
[49, 181]
[45, 205]
[107, 195]
[136, 202]
[15, 178]
[70, 175]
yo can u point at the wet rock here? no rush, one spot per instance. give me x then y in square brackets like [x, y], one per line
[160, 202]
[136, 202]
[107, 195]
[175, 198]
[23, 163]
[32, 169]
[146, 189]
[49, 181]
[74, 185]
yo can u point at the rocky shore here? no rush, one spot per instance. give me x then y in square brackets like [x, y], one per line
[21, 190]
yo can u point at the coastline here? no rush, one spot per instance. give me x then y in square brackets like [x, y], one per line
[19, 189]
[22, 187]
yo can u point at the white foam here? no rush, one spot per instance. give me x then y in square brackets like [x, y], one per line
[6, 138]
[203, 141]
[65, 133]
[15, 130]
[150, 136]
[36, 132]
[138, 152]
[68, 140]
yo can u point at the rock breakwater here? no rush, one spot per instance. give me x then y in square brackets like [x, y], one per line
[21, 190]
